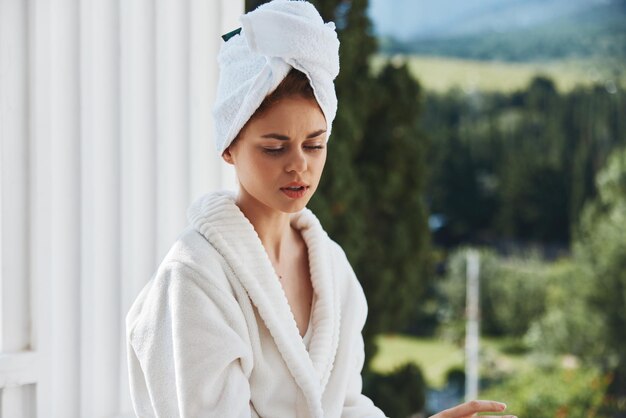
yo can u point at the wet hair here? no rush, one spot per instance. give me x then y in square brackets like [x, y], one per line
[295, 84]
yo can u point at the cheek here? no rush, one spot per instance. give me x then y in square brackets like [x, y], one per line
[318, 164]
[256, 166]
[321, 161]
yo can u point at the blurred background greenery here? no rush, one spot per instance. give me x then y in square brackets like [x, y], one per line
[500, 128]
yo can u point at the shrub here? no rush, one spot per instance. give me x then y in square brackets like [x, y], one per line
[552, 393]
[399, 394]
[569, 325]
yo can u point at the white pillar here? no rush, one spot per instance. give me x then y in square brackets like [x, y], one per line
[202, 75]
[472, 331]
[40, 229]
[15, 303]
[138, 161]
[172, 124]
[64, 209]
[100, 209]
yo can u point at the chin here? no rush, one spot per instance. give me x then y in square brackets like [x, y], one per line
[294, 207]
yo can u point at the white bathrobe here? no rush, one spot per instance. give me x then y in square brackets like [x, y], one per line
[212, 333]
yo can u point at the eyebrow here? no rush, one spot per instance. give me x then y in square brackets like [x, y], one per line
[286, 138]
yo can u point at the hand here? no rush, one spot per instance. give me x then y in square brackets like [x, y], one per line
[471, 408]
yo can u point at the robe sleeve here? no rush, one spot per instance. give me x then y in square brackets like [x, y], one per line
[357, 405]
[187, 349]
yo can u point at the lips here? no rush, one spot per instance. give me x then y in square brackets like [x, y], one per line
[295, 190]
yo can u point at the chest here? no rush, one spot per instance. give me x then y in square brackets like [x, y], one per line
[295, 279]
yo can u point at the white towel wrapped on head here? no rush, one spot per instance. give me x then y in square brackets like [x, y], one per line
[275, 37]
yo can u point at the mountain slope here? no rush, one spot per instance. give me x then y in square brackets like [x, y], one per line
[595, 30]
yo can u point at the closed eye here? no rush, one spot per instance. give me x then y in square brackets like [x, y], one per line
[273, 151]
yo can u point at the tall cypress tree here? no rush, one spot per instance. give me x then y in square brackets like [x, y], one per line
[370, 199]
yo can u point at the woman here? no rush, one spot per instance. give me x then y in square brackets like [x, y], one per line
[255, 311]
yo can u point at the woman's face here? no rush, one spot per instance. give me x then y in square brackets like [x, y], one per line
[280, 155]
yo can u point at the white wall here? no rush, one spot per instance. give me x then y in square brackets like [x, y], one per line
[105, 138]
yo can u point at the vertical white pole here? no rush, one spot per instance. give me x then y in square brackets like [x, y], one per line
[472, 326]
[100, 155]
[172, 107]
[40, 231]
[15, 312]
[64, 208]
[203, 52]
[138, 161]
[14, 180]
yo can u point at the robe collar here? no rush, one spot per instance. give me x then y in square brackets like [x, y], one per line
[219, 219]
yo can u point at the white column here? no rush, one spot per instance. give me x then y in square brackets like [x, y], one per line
[14, 301]
[138, 161]
[100, 217]
[204, 45]
[64, 209]
[40, 198]
[172, 107]
[15, 306]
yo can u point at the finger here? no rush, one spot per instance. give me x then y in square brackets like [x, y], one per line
[471, 407]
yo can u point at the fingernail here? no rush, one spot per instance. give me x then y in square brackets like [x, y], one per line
[502, 405]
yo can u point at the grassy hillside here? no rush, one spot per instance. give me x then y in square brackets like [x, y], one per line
[442, 73]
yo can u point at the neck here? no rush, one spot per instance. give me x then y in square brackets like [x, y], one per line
[272, 226]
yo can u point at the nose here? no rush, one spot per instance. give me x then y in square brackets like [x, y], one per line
[297, 162]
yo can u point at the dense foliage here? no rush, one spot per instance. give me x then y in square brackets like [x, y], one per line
[552, 393]
[399, 394]
[601, 248]
[512, 293]
[573, 308]
[518, 167]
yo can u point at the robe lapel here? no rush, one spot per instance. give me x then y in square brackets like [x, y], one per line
[219, 219]
[326, 312]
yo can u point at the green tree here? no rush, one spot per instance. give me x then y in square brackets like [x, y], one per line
[370, 199]
[518, 166]
[512, 293]
[601, 247]
[568, 325]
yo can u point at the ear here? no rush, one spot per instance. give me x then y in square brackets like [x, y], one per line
[228, 156]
